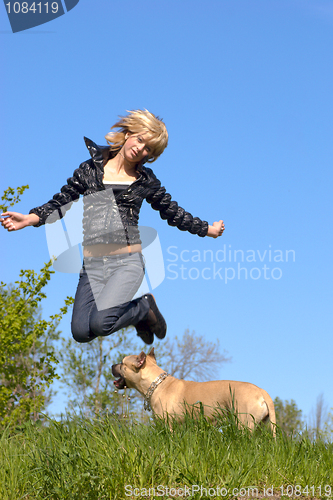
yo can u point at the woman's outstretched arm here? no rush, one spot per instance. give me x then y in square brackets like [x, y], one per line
[175, 215]
[13, 221]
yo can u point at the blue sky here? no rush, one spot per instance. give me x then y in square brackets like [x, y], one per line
[245, 89]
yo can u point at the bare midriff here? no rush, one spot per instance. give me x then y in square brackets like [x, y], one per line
[103, 249]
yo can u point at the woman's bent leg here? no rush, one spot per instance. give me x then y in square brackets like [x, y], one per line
[115, 307]
[107, 321]
[84, 304]
[103, 302]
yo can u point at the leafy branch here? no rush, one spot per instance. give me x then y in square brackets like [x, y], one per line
[11, 197]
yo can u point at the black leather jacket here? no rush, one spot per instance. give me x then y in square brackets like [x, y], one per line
[105, 221]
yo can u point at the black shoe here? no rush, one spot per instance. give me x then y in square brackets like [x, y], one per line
[155, 319]
[143, 331]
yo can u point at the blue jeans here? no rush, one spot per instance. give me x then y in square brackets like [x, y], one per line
[103, 300]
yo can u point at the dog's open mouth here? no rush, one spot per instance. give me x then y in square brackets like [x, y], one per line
[120, 383]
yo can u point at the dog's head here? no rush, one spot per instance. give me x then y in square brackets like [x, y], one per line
[128, 372]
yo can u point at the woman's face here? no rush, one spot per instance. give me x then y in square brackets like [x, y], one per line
[137, 147]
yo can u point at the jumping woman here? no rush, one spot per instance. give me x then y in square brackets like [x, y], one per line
[114, 182]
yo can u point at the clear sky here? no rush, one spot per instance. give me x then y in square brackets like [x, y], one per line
[245, 89]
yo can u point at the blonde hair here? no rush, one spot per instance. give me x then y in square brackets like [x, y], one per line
[140, 121]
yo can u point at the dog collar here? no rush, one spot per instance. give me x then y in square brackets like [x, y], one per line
[152, 388]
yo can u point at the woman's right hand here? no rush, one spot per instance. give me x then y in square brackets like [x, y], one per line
[13, 221]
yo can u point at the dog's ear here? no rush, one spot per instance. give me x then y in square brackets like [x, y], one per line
[140, 360]
[151, 353]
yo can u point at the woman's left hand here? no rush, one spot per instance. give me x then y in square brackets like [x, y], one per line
[216, 229]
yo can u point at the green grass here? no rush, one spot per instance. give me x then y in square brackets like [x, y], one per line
[81, 459]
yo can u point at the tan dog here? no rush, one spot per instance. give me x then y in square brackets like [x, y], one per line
[165, 394]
